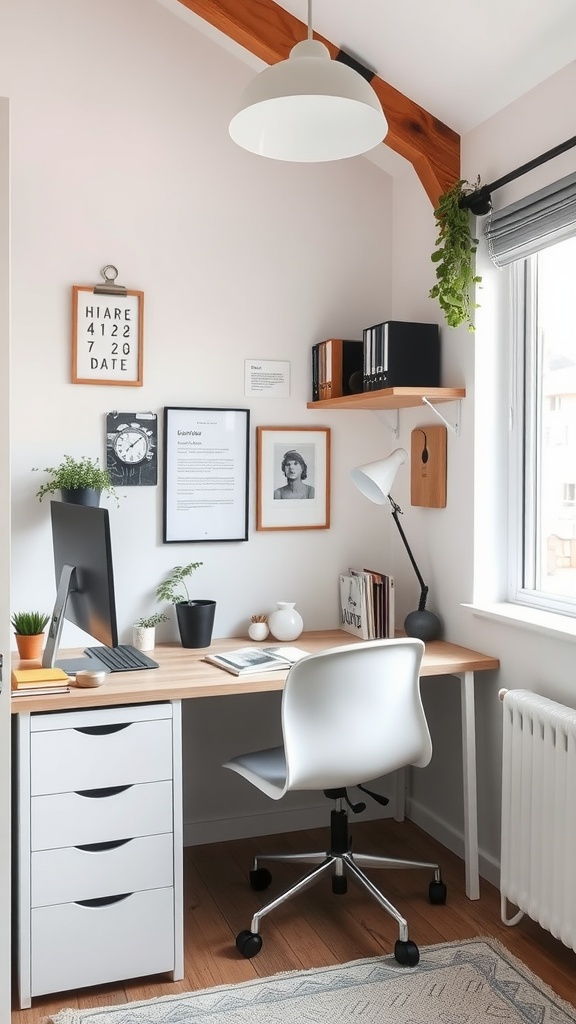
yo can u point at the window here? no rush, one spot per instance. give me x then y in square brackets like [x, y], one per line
[543, 451]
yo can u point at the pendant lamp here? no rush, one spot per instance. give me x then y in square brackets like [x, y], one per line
[309, 108]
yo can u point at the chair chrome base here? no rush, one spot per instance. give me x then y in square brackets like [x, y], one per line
[341, 862]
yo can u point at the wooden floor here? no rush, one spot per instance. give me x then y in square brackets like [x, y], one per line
[317, 928]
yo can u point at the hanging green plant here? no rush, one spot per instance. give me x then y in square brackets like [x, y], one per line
[454, 257]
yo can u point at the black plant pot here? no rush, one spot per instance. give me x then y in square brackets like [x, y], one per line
[195, 622]
[81, 496]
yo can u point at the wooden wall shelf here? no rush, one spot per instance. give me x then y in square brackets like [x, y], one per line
[391, 398]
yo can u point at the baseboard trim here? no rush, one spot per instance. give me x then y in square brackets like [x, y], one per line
[197, 833]
[452, 839]
[274, 822]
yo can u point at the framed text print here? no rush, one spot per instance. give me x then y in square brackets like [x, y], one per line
[205, 474]
[293, 478]
[107, 335]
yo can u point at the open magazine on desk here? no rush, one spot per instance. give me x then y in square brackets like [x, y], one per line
[247, 660]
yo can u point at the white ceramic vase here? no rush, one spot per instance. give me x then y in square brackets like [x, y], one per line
[285, 623]
[143, 637]
[258, 630]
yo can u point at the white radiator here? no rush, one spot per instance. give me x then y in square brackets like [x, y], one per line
[538, 853]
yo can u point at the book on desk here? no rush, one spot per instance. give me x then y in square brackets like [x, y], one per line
[246, 660]
[28, 682]
[367, 604]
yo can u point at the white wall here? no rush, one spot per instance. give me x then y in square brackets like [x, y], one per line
[5, 832]
[121, 154]
[237, 257]
[466, 542]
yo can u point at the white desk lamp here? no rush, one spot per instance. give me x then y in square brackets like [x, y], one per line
[374, 481]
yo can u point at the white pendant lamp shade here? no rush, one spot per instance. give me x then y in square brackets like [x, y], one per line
[375, 479]
[308, 109]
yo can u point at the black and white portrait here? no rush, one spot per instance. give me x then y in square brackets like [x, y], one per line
[293, 478]
[297, 468]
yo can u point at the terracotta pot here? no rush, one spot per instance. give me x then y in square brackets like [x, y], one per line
[29, 647]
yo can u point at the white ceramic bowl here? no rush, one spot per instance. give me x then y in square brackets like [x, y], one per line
[90, 677]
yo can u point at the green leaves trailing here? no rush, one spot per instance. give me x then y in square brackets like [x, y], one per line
[454, 257]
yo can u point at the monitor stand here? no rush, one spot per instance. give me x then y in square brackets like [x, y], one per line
[71, 666]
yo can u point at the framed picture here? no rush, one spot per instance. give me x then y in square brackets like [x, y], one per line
[132, 448]
[206, 472]
[107, 337]
[293, 478]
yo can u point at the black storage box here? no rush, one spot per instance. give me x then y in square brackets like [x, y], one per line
[401, 354]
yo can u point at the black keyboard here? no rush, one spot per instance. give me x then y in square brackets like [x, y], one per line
[123, 658]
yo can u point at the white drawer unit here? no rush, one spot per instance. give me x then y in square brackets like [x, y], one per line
[99, 846]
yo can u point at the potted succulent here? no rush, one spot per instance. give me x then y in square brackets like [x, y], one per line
[144, 631]
[29, 632]
[195, 618]
[80, 481]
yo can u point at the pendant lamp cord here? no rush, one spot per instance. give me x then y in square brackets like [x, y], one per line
[309, 19]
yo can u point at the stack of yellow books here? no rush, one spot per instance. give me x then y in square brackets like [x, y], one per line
[28, 682]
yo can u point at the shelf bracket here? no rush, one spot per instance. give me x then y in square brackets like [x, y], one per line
[454, 427]
[394, 428]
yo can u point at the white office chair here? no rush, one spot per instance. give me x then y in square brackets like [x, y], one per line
[349, 715]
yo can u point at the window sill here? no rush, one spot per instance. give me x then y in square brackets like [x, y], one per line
[549, 624]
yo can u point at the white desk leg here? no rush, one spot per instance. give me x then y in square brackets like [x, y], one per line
[469, 779]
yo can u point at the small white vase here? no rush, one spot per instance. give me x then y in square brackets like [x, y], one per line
[258, 630]
[143, 637]
[285, 623]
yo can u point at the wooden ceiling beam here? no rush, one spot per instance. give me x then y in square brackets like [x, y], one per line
[265, 29]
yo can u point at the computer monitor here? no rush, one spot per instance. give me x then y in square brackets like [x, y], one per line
[84, 580]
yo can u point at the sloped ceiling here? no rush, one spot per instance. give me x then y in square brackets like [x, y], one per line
[269, 32]
[457, 62]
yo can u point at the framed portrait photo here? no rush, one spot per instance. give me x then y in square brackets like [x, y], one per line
[293, 478]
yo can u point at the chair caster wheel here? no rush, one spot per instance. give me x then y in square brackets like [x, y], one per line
[260, 879]
[339, 885]
[248, 943]
[406, 953]
[437, 892]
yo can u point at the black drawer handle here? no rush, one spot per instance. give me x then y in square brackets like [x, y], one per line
[103, 901]
[96, 794]
[112, 844]
[103, 730]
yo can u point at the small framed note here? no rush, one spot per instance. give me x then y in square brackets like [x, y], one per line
[107, 335]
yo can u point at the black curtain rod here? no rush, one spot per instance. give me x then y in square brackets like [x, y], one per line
[479, 202]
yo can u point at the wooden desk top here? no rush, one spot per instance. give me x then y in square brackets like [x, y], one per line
[183, 674]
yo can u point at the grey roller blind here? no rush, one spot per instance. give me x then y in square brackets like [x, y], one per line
[539, 220]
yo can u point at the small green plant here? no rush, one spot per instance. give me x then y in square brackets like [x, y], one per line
[76, 474]
[29, 623]
[150, 621]
[173, 588]
[454, 257]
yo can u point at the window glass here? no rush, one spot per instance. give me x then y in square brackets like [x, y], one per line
[544, 449]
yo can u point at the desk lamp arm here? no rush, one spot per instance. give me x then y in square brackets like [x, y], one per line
[396, 512]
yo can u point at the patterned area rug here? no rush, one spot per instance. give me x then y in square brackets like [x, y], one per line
[473, 982]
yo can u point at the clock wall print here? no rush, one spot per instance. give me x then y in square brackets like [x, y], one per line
[132, 448]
